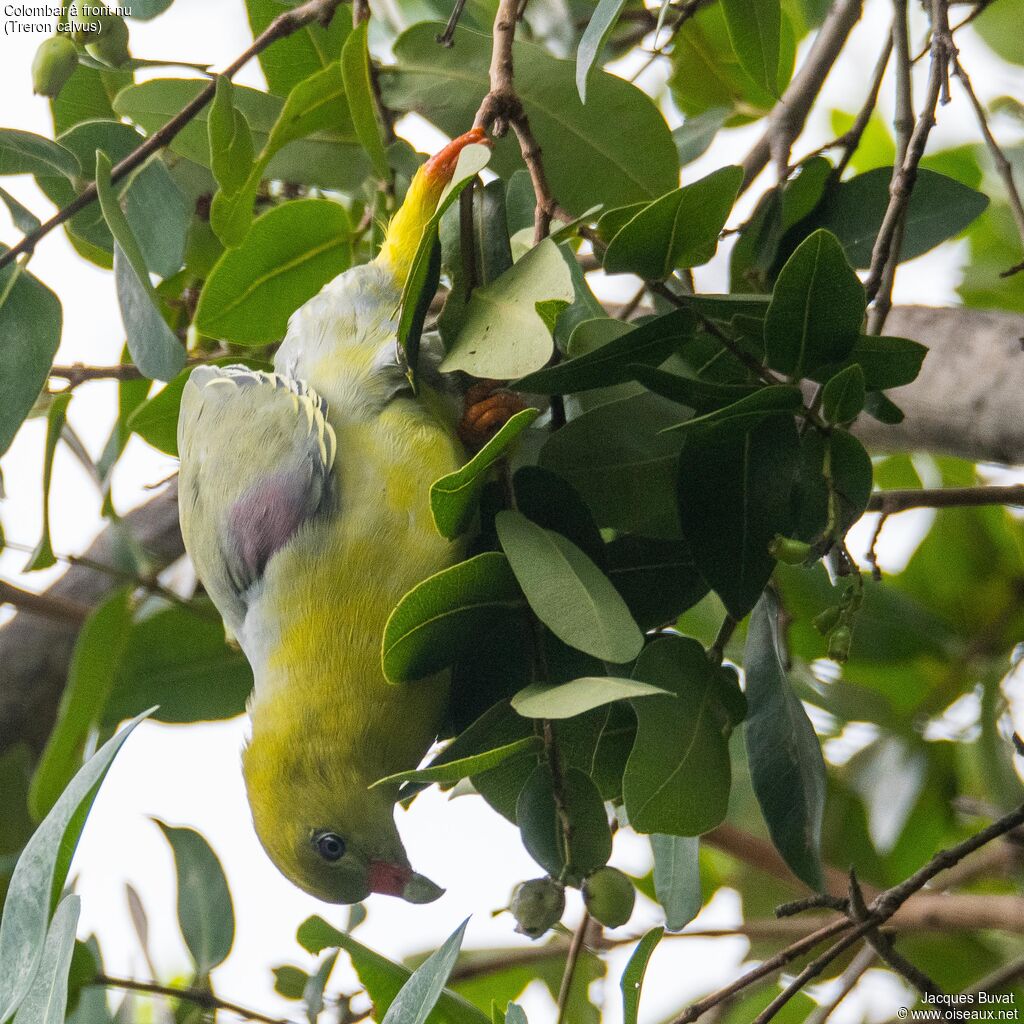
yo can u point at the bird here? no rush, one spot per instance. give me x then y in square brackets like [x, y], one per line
[304, 505]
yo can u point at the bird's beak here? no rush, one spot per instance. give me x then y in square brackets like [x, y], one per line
[402, 881]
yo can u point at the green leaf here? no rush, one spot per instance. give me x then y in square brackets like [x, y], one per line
[595, 35]
[616, 149]
[25, 153]
[503, 333]
[734, 495]
[939, 208]
[755, 30]
[289, 981]
[786, 766]
[700, 395]
[383, 979]
[539, 700]
[421, 283]
[741, 416]
[590, 839]
[444, 614]
[421, 992]
[94, 663]
[546, 499]
[154, 348]
[290, 253]
[21, 216]
[231, 148]
[695, 135]
[40, 874]
[46, 1000]
[817, 308]
[177, 657]
[677, 778]
[313, 990]
[611, 363]
[355, 73]
[331, 159]
[679, 230]
[616, 451]
[453, 498]
[465, 767]
[633, 976]
[205, 913]
[56, 416]
[677, 878]
[567, 592]
[885, 362]
[30, 328]
[843, 396]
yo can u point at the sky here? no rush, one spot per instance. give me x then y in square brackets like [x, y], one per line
[191, 776]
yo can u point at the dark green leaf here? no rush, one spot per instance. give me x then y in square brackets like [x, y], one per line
[590, 839]
[817, 308]
[30, 327]
[743, 415]
[678, 230]
[315, 935]
[611, 363]
[466, 767]
[567, 592]
[453, 498]
[633, 976]
[43, 557]
[939, 208]
[504, 333]
[677, 778]
[289, 981]
[46, 1000]
[677, 878]
[549, 501]
[22, 217]
[290, 253]
[843, 396]
[25, 153]
[734, 494]
[850, 471]
[205, 913]
[539, 700]
[444, 614]
[786, 766]
[700, 395]
[355, 72]
[94, 663]
[885, 362]
[154, 348]
[755, 30]
[40, 874]
[616, 149]
[595, 35]
[177, 658]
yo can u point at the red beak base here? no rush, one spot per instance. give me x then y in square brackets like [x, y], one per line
[389, 879]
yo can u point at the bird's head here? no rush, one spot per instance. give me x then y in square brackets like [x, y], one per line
[322, 826]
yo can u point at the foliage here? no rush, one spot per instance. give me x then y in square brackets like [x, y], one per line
[658, 623]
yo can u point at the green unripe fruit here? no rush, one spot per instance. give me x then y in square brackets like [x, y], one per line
[609, 896]
[839, 643]
[110, 43]
[785, 549]
[54, 63]
[537, 905]
[824, 621]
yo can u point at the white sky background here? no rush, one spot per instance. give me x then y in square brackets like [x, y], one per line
[191, 776]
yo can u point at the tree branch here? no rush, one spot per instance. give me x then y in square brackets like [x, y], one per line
[888, 502]
[285, 24]
[51, 607]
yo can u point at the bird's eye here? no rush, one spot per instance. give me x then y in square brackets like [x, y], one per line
[330, 846]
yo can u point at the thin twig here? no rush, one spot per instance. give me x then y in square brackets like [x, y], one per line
[571, 962]
[850, 140]
[847, 982]
[285, 24]
[43, 604]
[890, 502]
[199, 997]
[904, 179]
[999, 978]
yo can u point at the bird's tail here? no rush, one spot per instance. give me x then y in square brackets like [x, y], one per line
[406, 228]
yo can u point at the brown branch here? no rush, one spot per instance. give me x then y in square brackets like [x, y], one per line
[904, 179]
[571, 963]
[890, 502]
[43, 604]
[199, 997]
[78, 373]
[999, 978]
[285, 24]
[787, 119]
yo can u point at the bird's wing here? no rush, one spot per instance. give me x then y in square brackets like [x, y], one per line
[256, 457]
